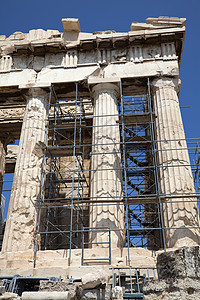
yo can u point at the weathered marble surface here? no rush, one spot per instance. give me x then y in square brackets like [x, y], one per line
[106, 174]
[174, 168]
[21, 220]
[179, 276]
[75, 55]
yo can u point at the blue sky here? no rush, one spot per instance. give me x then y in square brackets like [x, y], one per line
[23, 15]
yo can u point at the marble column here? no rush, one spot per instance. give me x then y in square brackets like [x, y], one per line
[175, 173]
[2, 167]
[21, 220]
[106, 174]
[2, 162]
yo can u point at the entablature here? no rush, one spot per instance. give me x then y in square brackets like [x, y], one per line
[39, 48]
[41, 58]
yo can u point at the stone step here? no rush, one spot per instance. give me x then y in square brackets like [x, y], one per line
[45, 295]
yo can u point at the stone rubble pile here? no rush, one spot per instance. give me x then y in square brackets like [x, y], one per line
[93, 286]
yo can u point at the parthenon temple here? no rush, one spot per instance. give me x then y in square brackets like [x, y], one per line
[91, 128]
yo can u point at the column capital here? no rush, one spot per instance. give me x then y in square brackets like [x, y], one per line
[162, 82]
[103, 85]
[35, 92]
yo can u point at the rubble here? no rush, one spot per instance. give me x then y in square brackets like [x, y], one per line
[95, 279]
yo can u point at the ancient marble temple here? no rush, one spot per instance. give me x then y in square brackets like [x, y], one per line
[100, 134]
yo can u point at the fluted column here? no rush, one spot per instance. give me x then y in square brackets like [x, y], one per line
[106, 174]
[2, 168]
[21, 220]
[2, 163]
[174, 166]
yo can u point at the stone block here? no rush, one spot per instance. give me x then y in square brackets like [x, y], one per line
[117, 293]
[10, 296]
[91, 294]
[55, 286]
[174, 289]
[179, 263]
[71, 24]
[49, 272]
[94, 280]
[178, 273]
[97, 294]
[2, 290]
[46, 296]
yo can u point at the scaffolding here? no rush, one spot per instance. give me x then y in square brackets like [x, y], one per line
[63, 208]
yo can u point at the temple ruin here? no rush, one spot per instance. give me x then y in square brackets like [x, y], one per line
[102, 173]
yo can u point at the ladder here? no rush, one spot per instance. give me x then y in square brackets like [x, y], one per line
[88, 244]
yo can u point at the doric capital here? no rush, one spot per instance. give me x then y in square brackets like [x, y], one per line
[35, 92]
[105, 87]
[163, 82]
